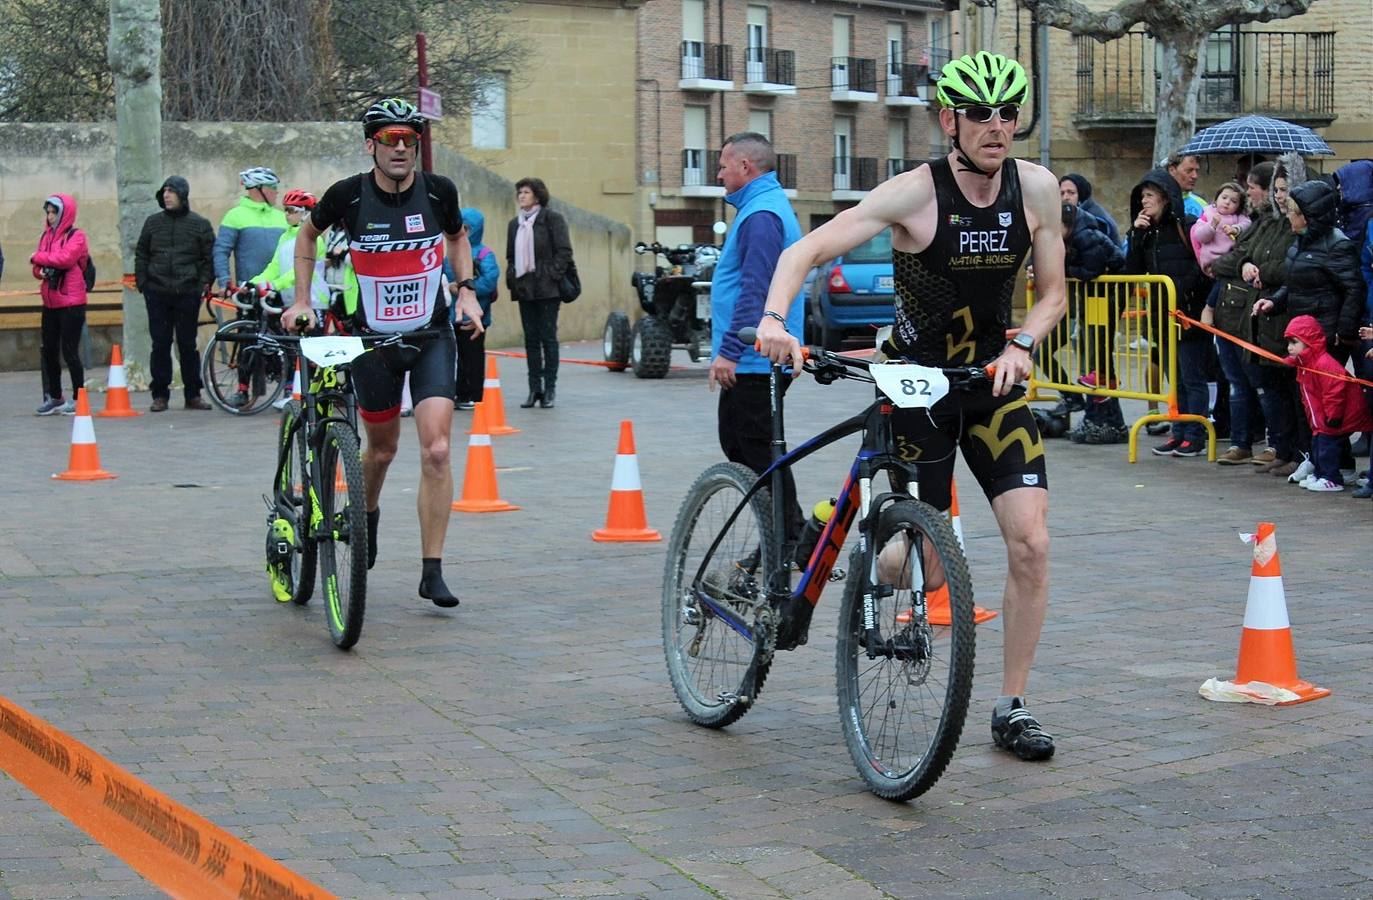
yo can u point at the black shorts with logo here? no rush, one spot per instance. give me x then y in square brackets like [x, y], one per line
[998, 436]
[379, 375]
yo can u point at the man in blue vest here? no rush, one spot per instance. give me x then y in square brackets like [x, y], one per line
[764, 226]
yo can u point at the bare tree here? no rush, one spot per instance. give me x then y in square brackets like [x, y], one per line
[468, 41]
[1180, 27]
[244, 60]
[255, 60]
[52, 62]
[134, 54]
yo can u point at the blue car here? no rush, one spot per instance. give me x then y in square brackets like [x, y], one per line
[852, 296]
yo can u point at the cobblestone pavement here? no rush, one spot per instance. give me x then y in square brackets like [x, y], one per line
[527, 744]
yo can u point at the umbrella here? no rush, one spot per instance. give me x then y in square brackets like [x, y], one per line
[1257, 134]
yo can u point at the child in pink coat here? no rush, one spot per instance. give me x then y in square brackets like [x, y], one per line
[60, 264]
[1334, 406]
[1221, 222]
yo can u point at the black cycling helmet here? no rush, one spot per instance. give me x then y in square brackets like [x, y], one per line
[392, 111]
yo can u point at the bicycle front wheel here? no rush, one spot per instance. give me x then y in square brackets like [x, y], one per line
[708, 658]
[293, 502]
[342, 535]
[230, 367]
[903, 684]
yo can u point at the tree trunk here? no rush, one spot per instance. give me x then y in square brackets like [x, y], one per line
[135, 57]
[1179, 58]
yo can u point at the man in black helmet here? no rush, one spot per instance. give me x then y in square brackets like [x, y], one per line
[400, 225]
[961, 228]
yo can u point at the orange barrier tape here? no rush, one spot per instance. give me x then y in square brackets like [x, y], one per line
[1183, 317]
[165, 842]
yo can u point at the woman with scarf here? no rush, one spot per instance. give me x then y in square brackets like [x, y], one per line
[537, 253]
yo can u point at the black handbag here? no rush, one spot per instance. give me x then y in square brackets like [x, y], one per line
[570, 285]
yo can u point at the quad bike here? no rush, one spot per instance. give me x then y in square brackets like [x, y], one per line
[676, 302]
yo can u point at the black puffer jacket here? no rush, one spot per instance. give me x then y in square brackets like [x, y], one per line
[1323, 277]
[1164, 248]
[173, 255]
[1090, 253]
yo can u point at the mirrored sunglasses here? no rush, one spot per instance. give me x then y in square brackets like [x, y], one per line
[390, 137]
[1007, 112]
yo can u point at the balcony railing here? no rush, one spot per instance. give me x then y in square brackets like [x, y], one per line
[897, 166]
[699, 168]
[850, 74]
[786, 170]
[909, 80]
[764, 65]
[706, 62]
[1287, 75]
[855, 173]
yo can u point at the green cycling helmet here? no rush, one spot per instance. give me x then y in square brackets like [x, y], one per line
[982, 79]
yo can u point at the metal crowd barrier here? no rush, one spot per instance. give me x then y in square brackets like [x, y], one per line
[1120, 332]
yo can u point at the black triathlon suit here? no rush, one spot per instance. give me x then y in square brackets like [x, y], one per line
[396, 243]
[953, 306]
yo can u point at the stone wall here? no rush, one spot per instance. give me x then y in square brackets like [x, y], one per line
[37, 160]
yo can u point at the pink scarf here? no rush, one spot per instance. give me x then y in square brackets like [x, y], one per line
[524, 241]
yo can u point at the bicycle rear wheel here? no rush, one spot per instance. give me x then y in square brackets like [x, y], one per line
[903, 699]
[343, 535]
[293, 504]
[228, 363]
[709, 661]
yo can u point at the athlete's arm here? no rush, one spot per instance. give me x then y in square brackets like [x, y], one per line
[304, 257]
[459, 250]
[887, 204]
[1042, 203]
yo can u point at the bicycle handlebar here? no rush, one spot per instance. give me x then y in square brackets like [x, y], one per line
[258, 296]
[819, 361]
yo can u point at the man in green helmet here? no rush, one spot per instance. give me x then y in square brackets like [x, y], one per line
[961, 228]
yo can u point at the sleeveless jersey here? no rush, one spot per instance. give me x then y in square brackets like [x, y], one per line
[953, 299]
[398, 259]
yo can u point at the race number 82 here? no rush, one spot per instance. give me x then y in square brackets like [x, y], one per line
[910, 386]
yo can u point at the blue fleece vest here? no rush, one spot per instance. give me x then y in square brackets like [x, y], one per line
[762, 194]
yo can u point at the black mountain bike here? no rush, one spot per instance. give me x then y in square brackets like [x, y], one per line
[232, 364]
[729, 602]
[317, 510]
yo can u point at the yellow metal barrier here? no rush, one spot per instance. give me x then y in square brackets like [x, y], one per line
[1120, 331]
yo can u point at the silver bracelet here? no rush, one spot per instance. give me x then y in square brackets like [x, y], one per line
[770, 314]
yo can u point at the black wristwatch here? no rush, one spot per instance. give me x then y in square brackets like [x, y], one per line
[1024, 340]
[469, 283]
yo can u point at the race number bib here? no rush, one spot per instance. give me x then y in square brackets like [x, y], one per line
[910, 386]
[332, 349]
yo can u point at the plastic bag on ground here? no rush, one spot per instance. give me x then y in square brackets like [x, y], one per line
[1250, 692]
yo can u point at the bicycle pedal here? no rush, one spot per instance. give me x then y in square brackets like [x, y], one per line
[837, 574]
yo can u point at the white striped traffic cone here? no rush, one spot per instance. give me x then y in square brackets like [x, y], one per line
[625, 519]
[937, 602]
[117, 404]
[84, 462]
[479, 492]
[1266, 652]
[495, 401]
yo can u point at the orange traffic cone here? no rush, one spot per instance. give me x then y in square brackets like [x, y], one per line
[117, 390]
[295, 383]
[479, 494]
[84, 462]
[1266, 653]
[625, 520]
[937, 603]
[495, 400]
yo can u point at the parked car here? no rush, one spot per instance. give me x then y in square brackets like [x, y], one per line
[852, 295]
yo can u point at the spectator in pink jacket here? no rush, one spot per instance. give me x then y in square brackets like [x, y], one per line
[1334, 406]
[1221, 222]
[60, 264]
